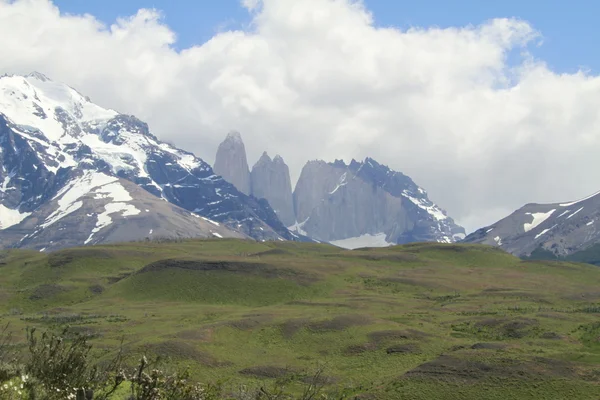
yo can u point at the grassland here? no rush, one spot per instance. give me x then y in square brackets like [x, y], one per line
[420, 321]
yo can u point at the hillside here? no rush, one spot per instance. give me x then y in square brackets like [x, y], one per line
[418, 321]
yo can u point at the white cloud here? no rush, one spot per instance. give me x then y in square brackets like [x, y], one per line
[316, 79]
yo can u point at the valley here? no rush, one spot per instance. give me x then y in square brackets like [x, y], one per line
[417, 321]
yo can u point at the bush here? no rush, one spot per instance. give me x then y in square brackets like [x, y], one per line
[59, 367]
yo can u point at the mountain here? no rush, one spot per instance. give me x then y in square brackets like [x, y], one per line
[367, 204]
[558, 230]
[271, 180]
[51, 136]
[102, 208]
[231, 162]
[363, 204]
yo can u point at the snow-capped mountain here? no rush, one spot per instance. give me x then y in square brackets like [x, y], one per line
[561, 229]
[367, 204]
[52, 137]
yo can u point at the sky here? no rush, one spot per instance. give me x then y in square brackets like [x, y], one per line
[487, 105]
[569, 27]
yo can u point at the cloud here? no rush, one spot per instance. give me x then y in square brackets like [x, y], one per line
[317, 79]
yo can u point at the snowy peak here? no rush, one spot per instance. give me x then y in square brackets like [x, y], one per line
[39, 76]
[560, 229]
[37, 103]
[49, 133]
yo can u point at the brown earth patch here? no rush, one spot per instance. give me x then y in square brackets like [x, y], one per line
[114, 279]
[257, 269]
[516, 328]
[403, 349]
[357, 349]
[44, 292]
[550, 336]
[315, 304]
[290, 327]
[183, 351]
[96, 289]
[392, 335]
[272, 252]
[63, 257]
[497, 289]
[267, 371]
[488, 346]
[339, 323]
[248, 324]
[395, 258]
[451, 368]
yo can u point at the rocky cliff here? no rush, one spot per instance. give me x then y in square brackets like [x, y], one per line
[366, 203]
[271, 181]
[231, 163]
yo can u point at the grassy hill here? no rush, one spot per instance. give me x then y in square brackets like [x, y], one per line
[419, 321]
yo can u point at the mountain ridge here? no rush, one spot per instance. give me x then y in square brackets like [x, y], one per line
[561, 229]
[48, 130]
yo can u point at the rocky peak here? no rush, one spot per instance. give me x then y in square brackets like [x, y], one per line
[264, 158]
[231, 162]
[270, 180]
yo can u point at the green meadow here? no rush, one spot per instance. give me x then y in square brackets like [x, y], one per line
[419, 321]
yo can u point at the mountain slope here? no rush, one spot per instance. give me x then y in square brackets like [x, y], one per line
[560, 229]
[49, 130]
[101, 208]
[367, 204]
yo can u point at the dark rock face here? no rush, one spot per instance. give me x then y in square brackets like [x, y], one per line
[25, 179]
[231, 163]
[46, 141]
[369, 204]
[559, 229]
[271, 181]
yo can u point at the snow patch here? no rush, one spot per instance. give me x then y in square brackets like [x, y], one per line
[10, 217]
[68, 197]
[120, 196]
[297, 227]
[589, 223]
[580, 200]
[565, 212]
[428, 206]
[217, 235]
[342, 182]
[498, 240]
[545, 231]
[575, 213]
[459, 236]
[210, 221]
[538, 218]
[366, 240]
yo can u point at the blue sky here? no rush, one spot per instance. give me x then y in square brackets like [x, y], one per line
[569, 28]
